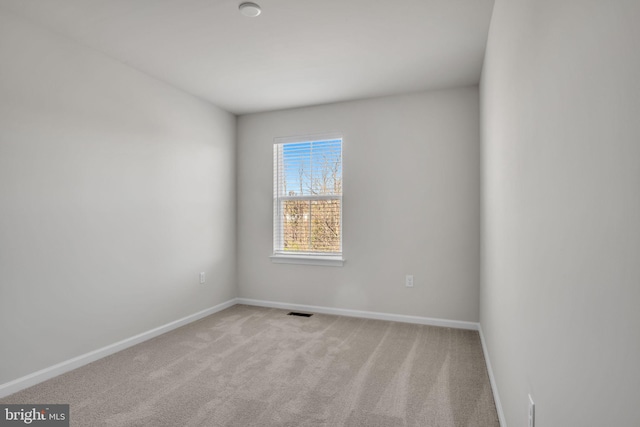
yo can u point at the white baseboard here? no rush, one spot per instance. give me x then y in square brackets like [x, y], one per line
[458, 324]
[71, 364]
[492, 380]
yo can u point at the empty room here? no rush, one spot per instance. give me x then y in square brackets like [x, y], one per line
[320, 213]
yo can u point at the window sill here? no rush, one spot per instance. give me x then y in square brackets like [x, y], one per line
[326, 261]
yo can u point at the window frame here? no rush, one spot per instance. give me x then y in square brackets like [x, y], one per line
[279, 256]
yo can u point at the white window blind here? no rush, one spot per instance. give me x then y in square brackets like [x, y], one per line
[307, 197]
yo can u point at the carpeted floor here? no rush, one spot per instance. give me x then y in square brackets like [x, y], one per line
[251, 366]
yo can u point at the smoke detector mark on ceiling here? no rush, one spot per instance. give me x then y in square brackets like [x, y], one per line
[250, 9]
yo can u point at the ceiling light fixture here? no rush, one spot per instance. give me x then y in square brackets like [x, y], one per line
[250, 9]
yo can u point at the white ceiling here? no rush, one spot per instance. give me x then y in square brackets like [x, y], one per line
[297, 53]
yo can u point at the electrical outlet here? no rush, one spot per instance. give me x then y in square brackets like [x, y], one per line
[408, 281]
[202, 277]
[532, 412]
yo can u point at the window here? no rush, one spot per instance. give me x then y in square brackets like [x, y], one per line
[307, 200]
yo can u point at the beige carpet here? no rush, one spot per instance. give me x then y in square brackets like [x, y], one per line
[250, 366]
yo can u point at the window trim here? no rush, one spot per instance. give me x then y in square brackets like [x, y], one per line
[310, 259]
[302, 258]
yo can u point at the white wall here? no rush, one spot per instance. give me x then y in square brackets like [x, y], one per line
[411, 205]
[116, 190]
[560, 295]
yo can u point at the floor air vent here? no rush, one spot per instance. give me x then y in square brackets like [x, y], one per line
[295, 313]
